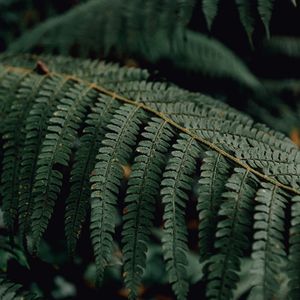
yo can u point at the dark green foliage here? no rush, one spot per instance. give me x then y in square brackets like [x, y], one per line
[76, 133]
[135, 18]
[14, 291]
[246, 10]
[78, 201]
[175, 185]
[56, 150]
[269, 249]
[265, 9]
[151, 30]
[148, 182]
[160, 31]
[210, 10]
[143, 189]
[293, 265]
[46, 100]
[283, 46]
[17, 16]
[214, 172]
[13, 134]
[114, 153]
[232, 235]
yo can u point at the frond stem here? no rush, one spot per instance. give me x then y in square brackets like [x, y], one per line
[143, 106]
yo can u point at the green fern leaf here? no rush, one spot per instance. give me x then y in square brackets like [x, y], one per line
[268, 249]
[14, 139]
[232, 236]
[214, 172]
[175, 185]
[235, 134]
[122, 118]
[185, 10]
[9, 83]
[265, 8]
[283, 46]
[55, 151]
[78, 200]
[50, 90]
[274, 163]
[115, 151]
[247, 16]
[294, 242]
[143, 190]
[210, 10]
[14, 291]
[147, 29]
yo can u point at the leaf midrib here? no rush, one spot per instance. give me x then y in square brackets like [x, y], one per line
[164, 117]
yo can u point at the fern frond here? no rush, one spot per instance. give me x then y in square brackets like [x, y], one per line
[26, 89]
[214, 172]
[150, 30]
[283, 46]
[247, 16]
[196, 106]
[265, 8]
[142, 192]
[55, 151]
[14, 291]
[268, 253]
[82, 133]
[77, 202]
[235, 134]
[232, 236]
[210, 10]
[294, 250]
[46, 100]
[114, 152]
[9, 85]
[274, 163]
[185, 10]
[175, 185]
[104, 73]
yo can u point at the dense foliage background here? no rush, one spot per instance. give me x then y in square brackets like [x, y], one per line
[264, 82]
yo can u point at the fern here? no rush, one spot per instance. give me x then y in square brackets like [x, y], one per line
[143, 189]
[293, 265]
[283, 46]
[152, 31]
[160, 31]
[35, 126]
[14, 291]
[265, 8]
[248, 12]
[77, 202]
[232, 235]
[56, 149]
[115, 152]
[14, 139]
[210, 10]
[247, 16]
[214, 171]
[18, 16]
[84, 121]
[268, 248]
[177, 181]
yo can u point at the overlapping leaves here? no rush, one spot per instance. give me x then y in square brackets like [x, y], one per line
[66, 132]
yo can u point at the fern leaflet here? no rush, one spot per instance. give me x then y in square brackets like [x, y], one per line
[143, 189]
